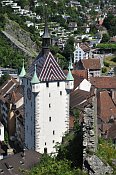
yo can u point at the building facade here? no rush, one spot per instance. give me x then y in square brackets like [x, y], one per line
[46, 101]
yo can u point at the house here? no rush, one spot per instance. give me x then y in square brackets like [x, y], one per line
[105, 89]
[92, 65]
[19, 162]
[85, 85]
[19, 115]
[5, 89]
[11, 99]
[106, 112]
[81, 52]
[72, 26]
[46, 100]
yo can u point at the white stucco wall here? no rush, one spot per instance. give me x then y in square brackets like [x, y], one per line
[78, 54]
[46, 116]
[84, 85]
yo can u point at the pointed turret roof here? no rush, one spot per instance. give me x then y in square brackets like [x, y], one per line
[47, 66]
[23, 72]
[70, 63]
[35, 79]
[69, 75]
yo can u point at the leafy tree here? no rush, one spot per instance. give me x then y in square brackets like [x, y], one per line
[69, 48]
[52, 166]
[106, 151]
[62, 61]
[105, 38]
[110, 24]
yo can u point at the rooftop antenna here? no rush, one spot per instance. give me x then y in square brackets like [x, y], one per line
[46, 36]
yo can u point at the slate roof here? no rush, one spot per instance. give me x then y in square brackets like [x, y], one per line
[103, 82]
[15, 163]
[93, 64]
[106, 108]
[47, 68]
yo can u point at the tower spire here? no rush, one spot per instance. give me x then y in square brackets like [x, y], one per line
[35, 79]
[69, 75]
[46, 39]
[70, 63]
[23, 72]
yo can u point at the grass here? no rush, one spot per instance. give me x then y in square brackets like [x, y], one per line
[108, 59]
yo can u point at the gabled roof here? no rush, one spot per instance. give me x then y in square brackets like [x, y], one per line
[91, 63]
[84, 46]
[8, 86]
[47, 68]
[20, 161]
[79, 97]
[106, 107]
[104, 82]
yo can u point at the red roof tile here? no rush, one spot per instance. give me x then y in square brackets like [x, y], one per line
[106, 107]
[91, 63]
[104, 82]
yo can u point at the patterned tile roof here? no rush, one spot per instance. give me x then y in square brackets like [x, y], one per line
[91, 63]
[47, 68]
[104, 82]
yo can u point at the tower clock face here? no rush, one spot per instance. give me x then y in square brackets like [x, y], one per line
[29, 93]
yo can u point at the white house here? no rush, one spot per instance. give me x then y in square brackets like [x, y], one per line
[81, 52]
[46, 100]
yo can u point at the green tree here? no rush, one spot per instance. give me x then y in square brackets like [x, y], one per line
[105, 38]
[52, 166]
[69, 48]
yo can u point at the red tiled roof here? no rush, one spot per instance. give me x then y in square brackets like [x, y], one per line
[78, 75]
[104, 82]
[106, 107]
[91, 63]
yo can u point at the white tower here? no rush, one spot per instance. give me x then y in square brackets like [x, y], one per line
[46, 101]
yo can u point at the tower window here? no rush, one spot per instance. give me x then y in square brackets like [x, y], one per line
[53, 141]
[53, 132]
[49, 95]
[58, 83]
[49, 105]
[60, 92]
[45, 150]
[47, 84]
[45, 143]
[49, 119]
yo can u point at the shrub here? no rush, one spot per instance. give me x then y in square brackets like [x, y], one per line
[106, 64]
[104, 69]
